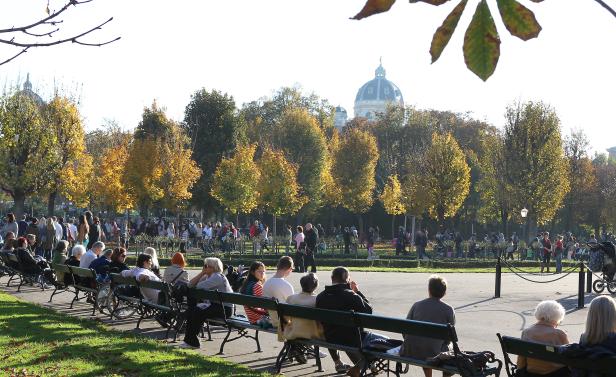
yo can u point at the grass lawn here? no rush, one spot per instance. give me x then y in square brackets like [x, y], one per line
[35, 341]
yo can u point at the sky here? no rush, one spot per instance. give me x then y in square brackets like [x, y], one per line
[250, 48]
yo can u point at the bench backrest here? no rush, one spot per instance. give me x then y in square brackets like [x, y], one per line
[153, 284]
[550, 353]
[251, 301]
[60, 268]
[202, 295]
[82, 272]
[118, 279]
[443, 332]
[334, 317]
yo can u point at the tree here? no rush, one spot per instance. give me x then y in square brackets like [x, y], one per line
[391, 197]
[353, 171]
[71, 175]
[447, 177]
[159, 170]
[235, 181]
[29, 150]
[481, 41]
[109, 188]
[537, 168]
[214, 128]
[279, 192]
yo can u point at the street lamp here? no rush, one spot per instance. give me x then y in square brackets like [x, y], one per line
[524, 213]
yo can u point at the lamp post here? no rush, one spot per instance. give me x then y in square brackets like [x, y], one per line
[524, 213]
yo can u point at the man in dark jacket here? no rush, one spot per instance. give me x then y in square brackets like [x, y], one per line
[311, 240]
[346, 236]
[344, 295]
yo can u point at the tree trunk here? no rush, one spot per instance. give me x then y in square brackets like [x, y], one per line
[51, 203]
[20, 199]
[393, 226]
[274, 234]
[412, 231]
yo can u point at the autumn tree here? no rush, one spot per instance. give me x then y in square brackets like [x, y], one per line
[72, 173]
[215, 128]
[354, 164]
[279, 192]
[391, 197]
[29, 152]
[109, 188]
[159, 170]
[446, 177]
[537, 168]
[236, 180]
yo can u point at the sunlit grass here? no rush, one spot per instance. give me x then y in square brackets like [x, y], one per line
[35, 341]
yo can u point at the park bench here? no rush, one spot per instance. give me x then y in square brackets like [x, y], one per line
[379, 361]
[27, 277]
[10, 267]
[170, 308]
[124, 302]
[85, 281]
[235, 322]
[59, 285]
[539, 351]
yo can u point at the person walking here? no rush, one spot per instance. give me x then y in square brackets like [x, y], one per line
[370, 244]
[559, 249]
[312, 239]
[546, 249]
[300, 249]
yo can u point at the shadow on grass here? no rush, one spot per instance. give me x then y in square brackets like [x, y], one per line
[49, 343]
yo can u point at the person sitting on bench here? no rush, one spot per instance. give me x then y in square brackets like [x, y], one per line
[549, 315]
[431, 309]
[253, 286]
[209, 279]
[143, 273]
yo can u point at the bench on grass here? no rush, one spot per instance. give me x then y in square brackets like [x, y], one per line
[539, 351]
[60, 285]
[378, 361]
[85, 282]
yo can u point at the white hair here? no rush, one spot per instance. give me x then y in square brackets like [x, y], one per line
[78, 250]
[215, 263]
[152, 252]
[550, 311]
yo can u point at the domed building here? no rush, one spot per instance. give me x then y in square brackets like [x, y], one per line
[375, 95]
[340, 117]
[27, 91]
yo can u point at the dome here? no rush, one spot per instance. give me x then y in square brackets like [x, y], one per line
[374, 96]
[27, 91]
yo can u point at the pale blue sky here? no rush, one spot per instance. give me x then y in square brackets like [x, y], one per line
[249, 48]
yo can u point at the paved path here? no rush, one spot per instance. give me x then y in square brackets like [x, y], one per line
[479, 316]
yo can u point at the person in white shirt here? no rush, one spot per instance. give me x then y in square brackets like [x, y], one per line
[143, 273]
[72, 231]
[91, 254]
[58, 228]
[277, 286]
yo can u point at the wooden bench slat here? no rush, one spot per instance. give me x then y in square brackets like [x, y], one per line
[406, 326]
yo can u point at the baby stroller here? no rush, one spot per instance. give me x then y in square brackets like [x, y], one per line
[602, 258]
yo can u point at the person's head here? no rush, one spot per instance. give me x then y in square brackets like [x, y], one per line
[10, 217]
[96, 220]
[50, 223]
[34, 221]
[31, 238]
[437, 286]
[9, 236]
[212, 265]
[289, 227]
[309, 282]
[61, 220]
[78, 251]
[118, 255]
[98, 247]
[300, 229]
[88, 216]
[308, 226]
[550, 311]
[257, 271]
[62, 247]
[21, 243]
[284, 265]
[152, 252]
[144, 261]
[600, 321]
[340, 275]
[178, 260]
[107, 253]
[546, 235]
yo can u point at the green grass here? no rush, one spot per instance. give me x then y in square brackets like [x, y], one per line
[40, 342]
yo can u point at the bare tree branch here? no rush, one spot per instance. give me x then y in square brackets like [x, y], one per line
[53, 21]
[607, 7]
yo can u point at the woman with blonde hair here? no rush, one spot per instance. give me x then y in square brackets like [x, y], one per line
[549, 315]
[155, 265]
[600, 323]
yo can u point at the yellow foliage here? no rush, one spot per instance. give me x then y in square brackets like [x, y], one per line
[235, 181]
[391, 197]
[278, 189]
[109, 188]
[77, 180]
